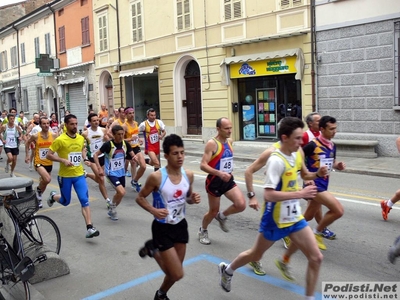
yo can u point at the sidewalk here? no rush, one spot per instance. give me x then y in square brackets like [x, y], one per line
[248, 151]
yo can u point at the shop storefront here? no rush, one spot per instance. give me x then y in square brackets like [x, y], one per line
[269, 88]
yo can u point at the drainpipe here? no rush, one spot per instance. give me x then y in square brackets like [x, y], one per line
[55, 51]
[19, 69]
[313, 52]
[119, 54]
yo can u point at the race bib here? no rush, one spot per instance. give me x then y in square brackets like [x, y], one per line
[11, 142]
[176, 213]
[290, 211]
[226, 164]
[153, 138]
[54, 129]
[104, 120]
[43, 152]
[117, 164]
[96, 145]
[326, 162]
[135, 139]
[75, 158]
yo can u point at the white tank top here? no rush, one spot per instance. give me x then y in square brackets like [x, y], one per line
[96, 139]
[11, 137]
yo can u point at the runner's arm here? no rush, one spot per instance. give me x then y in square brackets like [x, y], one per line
[192, 197]
[209, 149]
[28, 142]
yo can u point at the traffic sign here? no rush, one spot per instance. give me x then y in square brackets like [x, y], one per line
[44, 74]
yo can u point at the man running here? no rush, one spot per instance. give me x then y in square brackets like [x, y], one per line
[43, 166]
[33, 128]
[282, 213]
[386, 205]
[115, 152]
[69, 146]
[171, 187]
[217, 161]
[131, 129]
[95, 137]
[11, 136]
[103, 116]
[154, 132]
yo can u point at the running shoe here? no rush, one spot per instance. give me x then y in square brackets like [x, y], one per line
[7, 168]
[320, 241]
[12, 174]
[285, 270]
[394, 251]
[135, 186]
[225, 279]
[1, 158]
[286, 242]
[160, 297]
[40, 204]
[30, 167]
[330, 235]
[112, 212]
[257, 268]
[108, 203]
[92, 232]
[222, 223]
[38, 194]
[148, 249]
[147, 160]
[51, 201]
[203, 237]
[128, 174]
[385, 209]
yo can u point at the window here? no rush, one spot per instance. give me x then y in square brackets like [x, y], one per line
[25, 100]
[84, 2]
[232, 9]
[61, 12]
[397, 63]
[39, 97]
[23, 58]
[85, 31]
[37, 47]
[47, 43]
[13, 52]
[103, 39]
[183, 14]
[61, 36]
[136, 22]
[290, 3]
[3, 61]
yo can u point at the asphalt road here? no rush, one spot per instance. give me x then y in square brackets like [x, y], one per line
[109, 267]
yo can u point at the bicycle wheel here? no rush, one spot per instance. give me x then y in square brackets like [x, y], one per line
[40, 231]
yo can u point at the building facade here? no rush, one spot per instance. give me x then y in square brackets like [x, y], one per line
[196, 61]
[358, 75]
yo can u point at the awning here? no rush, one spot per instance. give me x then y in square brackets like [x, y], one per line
[270, 55]
[138, 71]
[71, 81]
[8, 89]
[75, 66]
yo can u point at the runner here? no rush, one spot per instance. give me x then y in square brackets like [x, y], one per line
[132, 137]
[33, 128]
[386, 205]
[54, 125]
[394, 250]
[217, 161]
[171, 187]
[281, 190]
[103, 116]
[115, 152]
[11, 136]
[154, 132]
[43, 166]
[95, 137]
[69, 146]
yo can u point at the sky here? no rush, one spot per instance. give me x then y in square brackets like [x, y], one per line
[8, 2]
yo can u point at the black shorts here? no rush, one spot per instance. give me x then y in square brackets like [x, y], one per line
[135, 150]
[13, 151]
[166, 235]
[116, 181]
[217, 187]
[47, 168]
[101, 160]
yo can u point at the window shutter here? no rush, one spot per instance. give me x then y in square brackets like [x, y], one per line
[187, 14]
[228, 10]
[237, 9]
[1, 62]
[23, 60]
[285, 3]
[297, 2]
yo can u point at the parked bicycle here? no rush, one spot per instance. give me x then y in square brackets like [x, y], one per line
[15, 269]
[32, 230]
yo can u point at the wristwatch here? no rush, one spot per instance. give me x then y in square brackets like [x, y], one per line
[250, 195]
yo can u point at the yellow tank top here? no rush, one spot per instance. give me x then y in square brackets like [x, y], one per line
[132, 130]
[41, 149]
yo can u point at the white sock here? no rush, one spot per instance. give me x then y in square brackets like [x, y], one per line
[221, 215]
[108, 200]
[202, 229]
[316, 231]
[229, 270]
[390, 203]
[309, 298]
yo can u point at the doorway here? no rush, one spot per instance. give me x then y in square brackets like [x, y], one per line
[193, 99]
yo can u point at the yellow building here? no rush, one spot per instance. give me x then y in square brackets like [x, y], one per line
[196, 61]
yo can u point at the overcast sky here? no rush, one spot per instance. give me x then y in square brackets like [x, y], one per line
[8, 2]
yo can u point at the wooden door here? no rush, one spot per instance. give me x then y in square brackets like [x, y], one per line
[193, 99]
